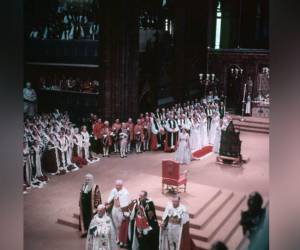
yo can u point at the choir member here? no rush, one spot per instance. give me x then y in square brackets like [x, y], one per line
[86, 144]
[213, 128]
[130, 127]
[78, 150]
[157, 114]
[51, 158]
[62, 152]
[195, 139]
[106, 139]
[138, 136]
[172, 134]
[209, 113]
[203, 130]
[222, 110]
[123, 138]
[97, 127]
[156, 133]
[70, 144]
[217, 141]
[146, 133]
[27, 167]
[36, 152]
[115, 131]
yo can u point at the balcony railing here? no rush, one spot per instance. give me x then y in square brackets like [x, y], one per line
[62, 52]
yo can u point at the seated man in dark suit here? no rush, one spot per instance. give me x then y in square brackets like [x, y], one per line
[252, 219]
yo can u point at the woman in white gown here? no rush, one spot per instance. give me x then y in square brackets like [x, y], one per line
[203, 130]
[195, 140]
[213, 127]
[183, 153]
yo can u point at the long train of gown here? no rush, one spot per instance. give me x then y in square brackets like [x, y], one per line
[213, 130]
[217, 141]
[195, 139]
[203, 133]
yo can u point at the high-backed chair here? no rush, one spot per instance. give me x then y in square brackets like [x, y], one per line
[171, 176]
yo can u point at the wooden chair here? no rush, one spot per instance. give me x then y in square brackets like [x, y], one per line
[171, 176]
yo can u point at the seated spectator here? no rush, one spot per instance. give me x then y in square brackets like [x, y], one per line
[252, 219]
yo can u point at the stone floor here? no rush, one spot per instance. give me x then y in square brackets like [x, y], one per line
[59, 198]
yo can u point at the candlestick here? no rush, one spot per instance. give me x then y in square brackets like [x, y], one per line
[244, 92]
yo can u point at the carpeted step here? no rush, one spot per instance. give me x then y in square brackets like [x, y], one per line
[202, 152]
[208, 214]
[237, 240]
[254, 130]
[211, 229]
[251, 125]
[227, 230]
[252, 119]
[207, 211]
[218, 215]
[206, 195]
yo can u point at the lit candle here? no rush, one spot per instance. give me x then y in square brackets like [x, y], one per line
[201, 76]
[207, 76]
[232, 70]
[213, 76]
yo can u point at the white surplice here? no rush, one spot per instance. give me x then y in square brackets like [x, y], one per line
[170, 237]
[101, 234]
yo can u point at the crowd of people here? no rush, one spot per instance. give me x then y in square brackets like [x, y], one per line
[131, 224]
[53, 144]
[69, 83]
[123, 222]
[69, 22]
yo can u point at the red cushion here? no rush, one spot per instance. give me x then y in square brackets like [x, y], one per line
[182, 180]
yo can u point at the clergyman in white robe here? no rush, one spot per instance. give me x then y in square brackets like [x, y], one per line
[101, 233]
[120, 198]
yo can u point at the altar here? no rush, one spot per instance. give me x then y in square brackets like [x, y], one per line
[261, 104]
[261, 109]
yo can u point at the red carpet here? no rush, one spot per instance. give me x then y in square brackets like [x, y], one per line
[203, 151]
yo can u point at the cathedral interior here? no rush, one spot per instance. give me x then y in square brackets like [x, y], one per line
[148, 54]
[120, 58]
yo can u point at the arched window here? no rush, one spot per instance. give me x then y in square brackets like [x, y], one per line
[218, 26]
